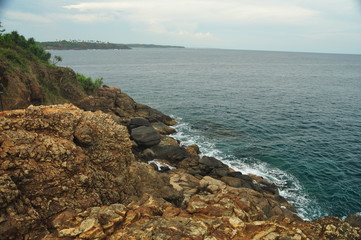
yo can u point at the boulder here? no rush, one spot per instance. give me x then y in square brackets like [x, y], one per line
[138, 122]
[162, 128]
[213, 167]
[145, 136]
[193, 150]
[211, 163]
[173, 154]
[153, 115]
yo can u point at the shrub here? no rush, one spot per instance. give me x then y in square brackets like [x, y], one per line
[15, 39]
[88, 83]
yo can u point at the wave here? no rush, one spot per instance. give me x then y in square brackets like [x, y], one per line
[289, 186]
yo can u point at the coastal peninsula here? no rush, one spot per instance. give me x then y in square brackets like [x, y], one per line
[84, 45]
[92, 163]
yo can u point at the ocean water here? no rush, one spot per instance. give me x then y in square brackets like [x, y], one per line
[293, 118]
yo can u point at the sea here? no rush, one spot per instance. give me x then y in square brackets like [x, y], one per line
[292, 118]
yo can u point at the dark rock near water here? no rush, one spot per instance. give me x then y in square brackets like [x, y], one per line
[148, 154]
[211, 162]
[153, 115]
[138, 122]
[354, 220]
[173, 154]
[145, 136]
[162, 128]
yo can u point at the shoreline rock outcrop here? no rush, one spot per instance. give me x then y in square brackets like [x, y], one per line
[66, 173]
[104, 167]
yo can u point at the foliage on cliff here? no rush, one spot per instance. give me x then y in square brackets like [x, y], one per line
[28, 75]
[81, 45]
[88, 83]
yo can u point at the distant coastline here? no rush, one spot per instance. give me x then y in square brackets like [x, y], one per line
[84, 45]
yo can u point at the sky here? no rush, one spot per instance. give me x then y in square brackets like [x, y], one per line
[330, 26]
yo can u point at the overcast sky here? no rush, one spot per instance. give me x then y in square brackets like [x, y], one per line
[332, 26]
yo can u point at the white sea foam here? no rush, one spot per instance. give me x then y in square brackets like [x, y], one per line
[160, 164]
[289, 186]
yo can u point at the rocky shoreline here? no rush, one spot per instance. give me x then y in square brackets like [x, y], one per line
[105, 167]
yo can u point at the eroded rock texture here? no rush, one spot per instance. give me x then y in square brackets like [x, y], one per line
[57, 158]
[70, 174]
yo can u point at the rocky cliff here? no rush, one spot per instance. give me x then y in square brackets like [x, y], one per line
[105, 167]
[66, 173]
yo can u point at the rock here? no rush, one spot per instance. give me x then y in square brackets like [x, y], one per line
[166, 140]
[354, 220]
[212, 162]
[36, 84]
[264, 184]
[153, 115]
[193, 150]
[162, 128]
[145, 180]
[148, 154]
[84, 135]
[45, 171]
[173, 154]
[138, 122]
[145, 136]
[213, 167]
[235, 182]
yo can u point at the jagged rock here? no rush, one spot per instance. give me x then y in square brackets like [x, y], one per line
[147, 180]
[112, 101]
[224, 215]
[70, 174]
[145, 136]
[44, 169]
[173, 154]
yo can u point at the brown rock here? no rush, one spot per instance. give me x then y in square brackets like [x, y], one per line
[162, 128]
[50, 172]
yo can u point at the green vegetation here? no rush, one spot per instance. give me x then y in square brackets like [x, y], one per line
[81, 45]
[28, 75]
[14, 39]
[88, 83]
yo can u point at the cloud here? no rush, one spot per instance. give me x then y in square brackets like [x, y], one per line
[184, 18]
[28, 17]
[87, 17]
[200, 10]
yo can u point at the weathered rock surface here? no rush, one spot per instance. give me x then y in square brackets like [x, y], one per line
[70, 174]
[171, 153]
[112, 101]
[138, 122]
[145, 136]
[205, 217]
[60, 157]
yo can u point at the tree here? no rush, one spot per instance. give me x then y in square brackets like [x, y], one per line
[57, 59]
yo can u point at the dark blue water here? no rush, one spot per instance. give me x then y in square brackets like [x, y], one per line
[294, 118]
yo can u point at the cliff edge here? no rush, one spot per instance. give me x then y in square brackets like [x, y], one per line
[66, 173]
[102, 166]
